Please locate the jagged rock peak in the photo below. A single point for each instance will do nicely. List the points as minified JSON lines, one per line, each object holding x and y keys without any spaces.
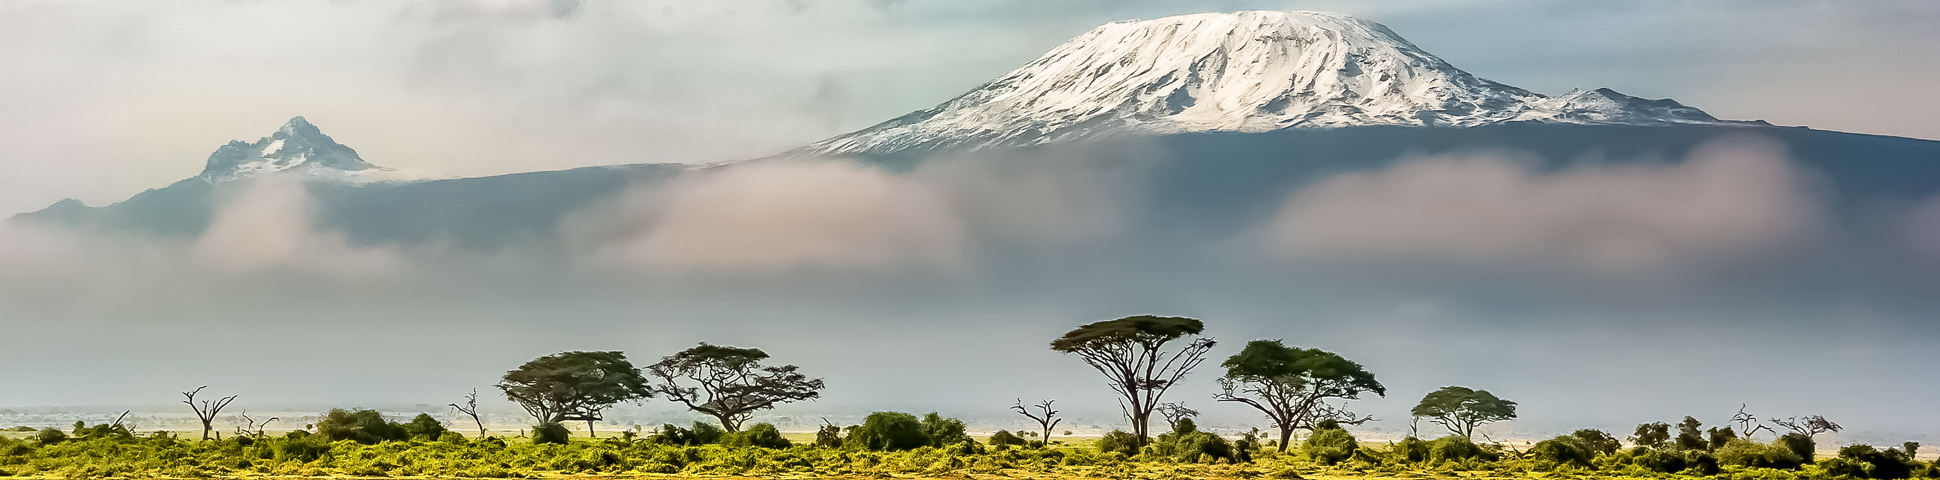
{"x":1246,"y":72}
{"x":296,"y":147}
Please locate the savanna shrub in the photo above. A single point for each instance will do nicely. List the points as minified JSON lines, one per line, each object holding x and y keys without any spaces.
{"x":701,"y":434}
{"x":829,"y":436}
{"x":1119,"y":441}
{"x":1456,"y":448}
{"x":1799,"y":444}
{"x":300,"y":446}
{"x":1330,"y":446}
{"x":1411,"y":450}
{"x":551,"y":433}
{"x":362,"y":426}
{"x":762,"y":435}
{"x":1004,"y":437}
{"x":1660,"y":459}
{"x":424,"y":427}
{"x":453,"y":437}
{"x":941,"y":431}
{"x":1845,"y":467}
{"x":1560,"y":451}
{"x":1598,"y":441}
{"x":888,"y":431}
{"x":1747,"y":453}
{"x":1886,"y":465}
{"x":1700,"y":463}
{"x":1187,"y":444}
{"x":49,"y":436}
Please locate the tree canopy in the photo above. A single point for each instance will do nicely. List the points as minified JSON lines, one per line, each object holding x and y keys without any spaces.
{"x":1461,"y":409}
{"x":729,"y":383}
{"x":573,"y":385}
{"x":1292,"y":385}
{"x":1131,"y":353}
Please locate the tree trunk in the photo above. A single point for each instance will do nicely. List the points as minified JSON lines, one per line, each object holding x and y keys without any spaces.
{"x":206,"y":427}
{"x":589,"y":429}
{"x":1286,"y":437}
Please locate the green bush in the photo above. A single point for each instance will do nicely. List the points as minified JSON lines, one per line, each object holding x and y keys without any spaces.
{"x":1003,"y":437}
{"x":888,"y":431}
{"x":1746,"y":453}
{"x":1411,"y":450}
{"x":762,"y":435}
{"x":551,"y":433}
{"x":1659,"y":459}
{"x":1700,"y":463}
{"x":1891,"y":464}
{"x":1561,"y":451}
{"x":1187,"y":444}
{"x":362,"y":426}
{"x":829,"y":436}
{"x":300,"y":446}
{"x":1119,"y":441}
{"x":701,"y":434}
{"x":1597,"y":441}
{"x":1330,"y":446}
{"x":939,"y":431}
{"x":1456,"y":448}
{"x":49,"y":436}
{"x":424,"y":427}
{"x":1800,"y":444}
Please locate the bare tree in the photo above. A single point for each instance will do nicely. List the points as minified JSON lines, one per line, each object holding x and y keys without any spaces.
{"x":250,"y":427}
{"x":1748,"y":423}
{"x":1046,"y":417}
{"x":207,"y":410}
{"x":470,"y":408}
{"x":1174,"y":412}
{"x":1809,"y":426}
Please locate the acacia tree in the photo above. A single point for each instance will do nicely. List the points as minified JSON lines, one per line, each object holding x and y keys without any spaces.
{"x":1131,"y":353}
{"x":730,"y":383}
{"x":1461,"y":409}
{"x":1293,"y":385}
{"x":573,"y":386}
{"x":207,"y":410}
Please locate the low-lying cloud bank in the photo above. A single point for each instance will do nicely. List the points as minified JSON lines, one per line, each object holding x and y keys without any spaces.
{"x":1730,"y":199}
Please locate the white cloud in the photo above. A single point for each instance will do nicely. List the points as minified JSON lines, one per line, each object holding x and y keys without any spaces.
{"x":784,"y":215}
{"x":269,"y":226}
{"x":1730,"y":197}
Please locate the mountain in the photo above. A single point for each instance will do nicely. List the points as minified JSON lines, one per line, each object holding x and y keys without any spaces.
{"x":297,"y":147}
{"x":1252,"y":71}
{"x":1230,"y":113}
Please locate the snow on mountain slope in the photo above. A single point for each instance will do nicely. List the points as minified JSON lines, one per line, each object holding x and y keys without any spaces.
{"x":1245,"y":72}
{"x":298,"y":147}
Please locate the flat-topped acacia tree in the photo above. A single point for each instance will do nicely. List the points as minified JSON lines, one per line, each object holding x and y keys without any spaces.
{"x":1293,"y":385}
{"x":1131,"y":353}
{"x":573,"y":386}
{"x":729,"y":383}
{"x":1461,"y":409}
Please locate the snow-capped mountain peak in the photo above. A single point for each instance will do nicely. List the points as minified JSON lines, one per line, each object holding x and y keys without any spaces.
{"x":1246,"y":72}
{"x":297,"y":147}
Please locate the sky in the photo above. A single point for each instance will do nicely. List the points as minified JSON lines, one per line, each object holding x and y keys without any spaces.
{"x":1598,"y":296}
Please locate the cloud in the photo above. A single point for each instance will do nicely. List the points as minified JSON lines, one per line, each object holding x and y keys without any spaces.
{"x":1731,"y":197}
{"x":269,"y":226}
{"x":784,"y":215}
{"x":1070,"y":196}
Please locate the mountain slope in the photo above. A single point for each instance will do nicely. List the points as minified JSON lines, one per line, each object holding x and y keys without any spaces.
{"x":1240,"y":72}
